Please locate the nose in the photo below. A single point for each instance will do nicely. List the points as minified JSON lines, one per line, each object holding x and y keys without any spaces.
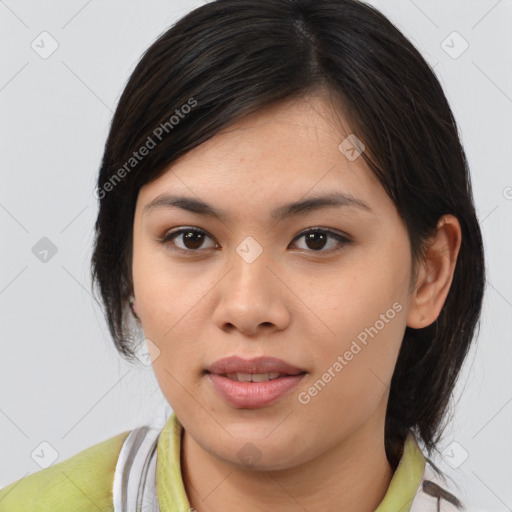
{"x":252,"y":297}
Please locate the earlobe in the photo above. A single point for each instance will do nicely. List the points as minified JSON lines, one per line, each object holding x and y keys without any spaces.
{"x":436,"y":273}
{"x":133,"y":307}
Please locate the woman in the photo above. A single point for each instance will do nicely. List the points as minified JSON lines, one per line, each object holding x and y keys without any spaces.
{"x":286,"y":207}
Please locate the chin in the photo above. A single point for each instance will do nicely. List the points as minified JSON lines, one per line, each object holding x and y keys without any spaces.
{"x":260,"y":454}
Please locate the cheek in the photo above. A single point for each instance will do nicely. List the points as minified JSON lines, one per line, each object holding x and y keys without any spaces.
{"x":354,"y":367}
{"x":365,"y":288}
{"x":364,"y":308}
{"x":163,"y":293}
{"x":169,"y":299}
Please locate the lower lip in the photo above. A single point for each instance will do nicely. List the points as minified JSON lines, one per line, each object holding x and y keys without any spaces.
{"x":252,"y":395}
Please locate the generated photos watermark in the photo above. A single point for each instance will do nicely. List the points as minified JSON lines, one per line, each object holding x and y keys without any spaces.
{"x":341,"y":361}
{"x":152,"y":141}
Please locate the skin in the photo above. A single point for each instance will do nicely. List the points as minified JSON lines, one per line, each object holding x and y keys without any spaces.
{"x":296,"y":301}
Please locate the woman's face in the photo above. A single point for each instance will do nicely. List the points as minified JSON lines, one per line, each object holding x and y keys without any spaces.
{"x":257,"y":284}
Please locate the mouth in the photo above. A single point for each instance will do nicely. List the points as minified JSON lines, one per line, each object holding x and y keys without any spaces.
{"x":256,"y":377}
{"x":254,"y":383}
{"x":256,"y":370}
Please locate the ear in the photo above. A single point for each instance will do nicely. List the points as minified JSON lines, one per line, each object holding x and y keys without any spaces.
{"x":135,"y":306}
{"x":435,"y":274}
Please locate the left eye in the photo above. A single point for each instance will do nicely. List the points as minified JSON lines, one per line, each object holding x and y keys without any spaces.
{"x":315,"y":239}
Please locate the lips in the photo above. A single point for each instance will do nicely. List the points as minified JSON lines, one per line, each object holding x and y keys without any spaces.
{"x":253,"y":383}
{"x":229,"y":366}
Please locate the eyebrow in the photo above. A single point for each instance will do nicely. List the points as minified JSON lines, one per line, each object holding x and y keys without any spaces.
{"x":334,"y":199}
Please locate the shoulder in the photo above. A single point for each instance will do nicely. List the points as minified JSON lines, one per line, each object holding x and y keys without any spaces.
{"x":80,"y":483}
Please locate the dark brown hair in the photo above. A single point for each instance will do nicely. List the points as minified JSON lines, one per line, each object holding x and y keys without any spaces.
{"x":230,"y":58}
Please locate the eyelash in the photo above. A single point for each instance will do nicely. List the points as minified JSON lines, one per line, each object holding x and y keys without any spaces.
{"x":169,"y":237}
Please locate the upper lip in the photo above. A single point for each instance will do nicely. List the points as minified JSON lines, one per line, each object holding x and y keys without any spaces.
{"x":236,"y":364}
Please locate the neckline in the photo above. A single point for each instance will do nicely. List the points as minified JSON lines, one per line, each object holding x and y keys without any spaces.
{"x":173,"y":498}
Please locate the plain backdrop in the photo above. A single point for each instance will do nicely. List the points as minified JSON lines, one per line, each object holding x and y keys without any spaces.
{"x":61,"y":380}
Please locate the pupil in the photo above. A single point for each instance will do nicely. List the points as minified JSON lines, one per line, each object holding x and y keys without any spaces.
{"x":316,"y":239}
{"x":193,"y":240}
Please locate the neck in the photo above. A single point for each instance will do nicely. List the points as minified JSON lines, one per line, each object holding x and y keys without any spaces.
{"x":354,"y":475}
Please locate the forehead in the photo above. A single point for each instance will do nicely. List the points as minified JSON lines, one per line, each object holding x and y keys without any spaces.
{"x":289,"y":151}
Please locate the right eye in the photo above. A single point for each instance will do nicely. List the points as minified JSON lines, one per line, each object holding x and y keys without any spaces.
{"x":191,"y":239}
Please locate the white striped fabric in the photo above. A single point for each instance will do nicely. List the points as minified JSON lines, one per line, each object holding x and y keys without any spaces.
{"x":135,"y":474}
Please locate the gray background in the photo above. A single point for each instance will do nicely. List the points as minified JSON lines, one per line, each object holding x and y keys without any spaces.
{"x":61,"y":381}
